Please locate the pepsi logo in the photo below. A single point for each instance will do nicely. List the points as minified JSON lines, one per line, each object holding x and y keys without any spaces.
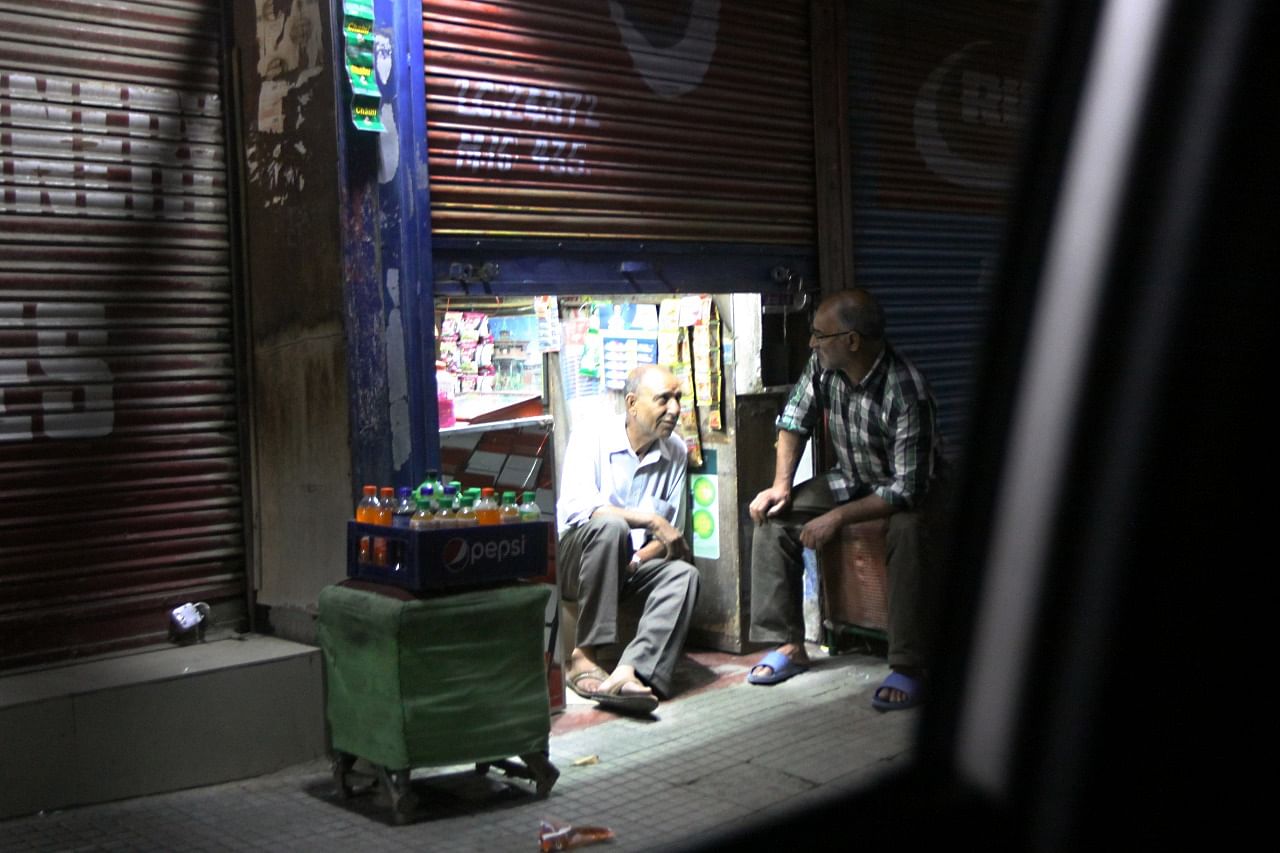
{"x":456,"y":555}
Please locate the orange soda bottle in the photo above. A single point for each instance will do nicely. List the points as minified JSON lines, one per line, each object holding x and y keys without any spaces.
{"x":487,"y":508}
{"x":366,"y":513}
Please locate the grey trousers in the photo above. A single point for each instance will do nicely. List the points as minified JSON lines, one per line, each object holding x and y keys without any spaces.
{"x":591,"y":564}
{"x":777,"y":569}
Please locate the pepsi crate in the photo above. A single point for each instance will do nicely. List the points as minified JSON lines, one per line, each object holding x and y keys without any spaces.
{"x":427,"y":560}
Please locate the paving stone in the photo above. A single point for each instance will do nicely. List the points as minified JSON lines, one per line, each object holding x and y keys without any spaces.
{"x":714,"y":760}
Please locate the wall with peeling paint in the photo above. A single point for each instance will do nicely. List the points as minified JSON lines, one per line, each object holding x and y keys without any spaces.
{"x":294,"y":270}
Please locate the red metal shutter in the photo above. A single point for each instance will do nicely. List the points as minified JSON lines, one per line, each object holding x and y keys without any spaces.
{"x":621,"y":119}
{"x":120,"y":465}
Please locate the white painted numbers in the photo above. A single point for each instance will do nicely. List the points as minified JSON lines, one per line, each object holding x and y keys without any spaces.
{"x":58,"y":394}
{"x":510,"y":102}
{"x":529,"y":106}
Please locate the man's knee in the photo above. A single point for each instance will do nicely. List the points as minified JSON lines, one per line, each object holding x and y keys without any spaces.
{"x":771,"y":550}
{"x":767,"y":535}
{"x":676,"y":580}
{"x":607,"y":525}
{"x":686,"y":574}
{"x":903,"y":526}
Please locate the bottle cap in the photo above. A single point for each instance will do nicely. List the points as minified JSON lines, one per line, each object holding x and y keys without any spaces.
{"x":529,"y":497}
{"x":370,"y":490}
{"x":487,"y":491}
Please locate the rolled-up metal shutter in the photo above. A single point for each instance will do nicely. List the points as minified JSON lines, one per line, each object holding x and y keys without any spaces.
{"x":120,"y":470}
{"x":672,"y":120}
{"x":936,"y":106}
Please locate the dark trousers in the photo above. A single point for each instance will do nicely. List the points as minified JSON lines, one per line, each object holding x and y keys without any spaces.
{"x":777,"y":569}
{"x":591,"y":564}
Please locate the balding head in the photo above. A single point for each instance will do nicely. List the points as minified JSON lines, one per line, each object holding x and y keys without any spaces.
{"x":640,"y":373}
{"x":856,"y":310}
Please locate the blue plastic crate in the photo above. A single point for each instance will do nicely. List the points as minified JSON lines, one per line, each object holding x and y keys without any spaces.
{"x":425,"y":560}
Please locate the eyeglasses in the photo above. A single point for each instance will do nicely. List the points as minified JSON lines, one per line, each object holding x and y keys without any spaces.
{"x":822,"y":336}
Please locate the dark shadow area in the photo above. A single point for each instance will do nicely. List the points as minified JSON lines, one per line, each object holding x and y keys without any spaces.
{"x":1142,"y":254}
{"x":433,"y":796}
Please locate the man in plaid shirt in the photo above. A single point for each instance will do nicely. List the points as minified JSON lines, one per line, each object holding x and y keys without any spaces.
{"x":881,"y":419}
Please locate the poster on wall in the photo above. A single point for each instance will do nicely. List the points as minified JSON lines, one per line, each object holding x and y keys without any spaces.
{"x":290,"y":43}
{"x":366,"y":99}
{"x":629,"y":338}
{"x":704,"y":489}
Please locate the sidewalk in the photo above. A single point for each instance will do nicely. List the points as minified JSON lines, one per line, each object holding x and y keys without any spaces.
{"x":721,"y":753}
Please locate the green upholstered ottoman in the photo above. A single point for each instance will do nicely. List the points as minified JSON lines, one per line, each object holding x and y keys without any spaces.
{"x":416,"y":681}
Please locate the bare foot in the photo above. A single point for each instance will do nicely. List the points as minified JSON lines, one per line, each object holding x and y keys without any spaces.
{"x":583,"y":674}
{"x":623,"y":681}
{"x":795,"y":651}
{"x":893,"y":695}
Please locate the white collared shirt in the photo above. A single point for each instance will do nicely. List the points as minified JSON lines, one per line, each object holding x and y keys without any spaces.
{"x":601,"y":469}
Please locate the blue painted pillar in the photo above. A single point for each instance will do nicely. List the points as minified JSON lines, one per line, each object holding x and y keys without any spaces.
{"x":386,"y":238}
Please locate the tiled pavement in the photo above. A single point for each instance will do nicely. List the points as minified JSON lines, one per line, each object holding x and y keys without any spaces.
{"x":720,"y":754}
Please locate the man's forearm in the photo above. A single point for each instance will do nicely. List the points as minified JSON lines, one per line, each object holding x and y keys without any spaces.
{"x":790,"y":449}
{"x":635,"y":518}
{"x":864,"y":509}
{"x":651,"y":550}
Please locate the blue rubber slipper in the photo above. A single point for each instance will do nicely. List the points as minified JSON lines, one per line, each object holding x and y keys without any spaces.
{"x":913,"y":687}
{"x":783,"y":668}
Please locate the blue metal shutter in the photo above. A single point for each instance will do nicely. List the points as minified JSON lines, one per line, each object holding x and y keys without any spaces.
{"x":936,"y":98}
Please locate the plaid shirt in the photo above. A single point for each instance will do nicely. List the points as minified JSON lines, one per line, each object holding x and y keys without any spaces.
{"x":882,"y":428}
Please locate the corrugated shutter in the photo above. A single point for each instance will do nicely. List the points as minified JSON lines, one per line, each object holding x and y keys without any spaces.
{"x":648,"y":119}
{"x":936,"y":100}
{"x":119,"y":459}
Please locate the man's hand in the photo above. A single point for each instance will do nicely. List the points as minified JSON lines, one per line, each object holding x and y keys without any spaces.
{"x":821,"y":530}
{"x":772,"y":501}
{"x":665,"y":532}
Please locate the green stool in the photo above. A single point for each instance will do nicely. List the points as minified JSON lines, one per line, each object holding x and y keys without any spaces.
{"x":418,"y":681}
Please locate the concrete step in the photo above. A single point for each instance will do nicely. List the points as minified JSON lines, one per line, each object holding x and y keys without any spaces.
{"x":157,"y":720}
